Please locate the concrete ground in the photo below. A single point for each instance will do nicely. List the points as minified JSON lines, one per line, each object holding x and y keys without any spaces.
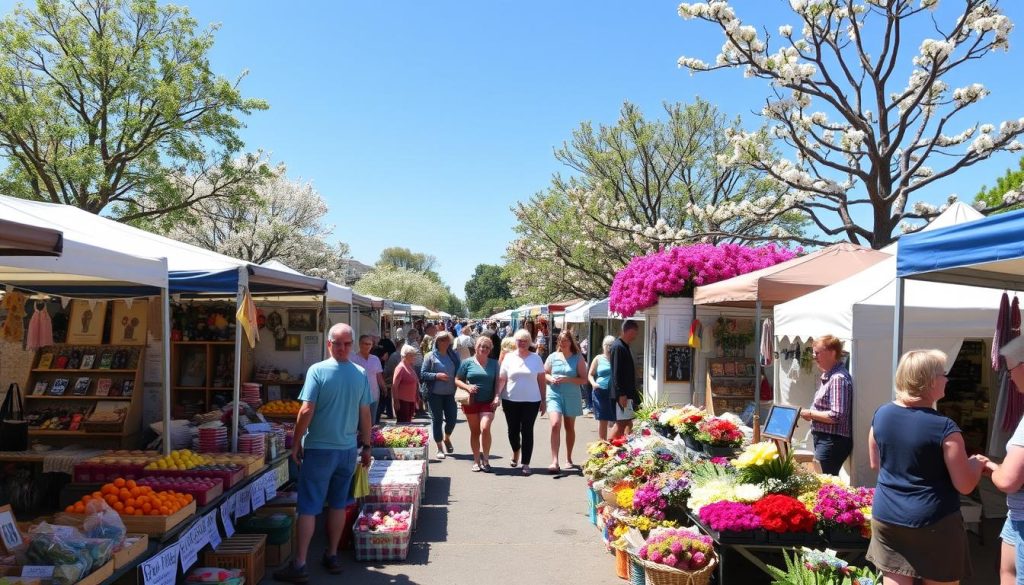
{"x":505,"y":528}
{"x":497,"y":527}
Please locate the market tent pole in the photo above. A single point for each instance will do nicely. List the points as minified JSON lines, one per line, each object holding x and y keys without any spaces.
{"x":757,"y":359}
{"x":243,"y":283}
{"x":165,"y":364}
{"x":325,"y":324}
{"x":897,"y":329}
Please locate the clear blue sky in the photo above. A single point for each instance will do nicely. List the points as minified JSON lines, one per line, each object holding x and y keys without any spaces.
{"x":421,"y":123}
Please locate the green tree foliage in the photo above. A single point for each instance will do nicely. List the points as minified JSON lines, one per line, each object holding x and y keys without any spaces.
{"x":636,"y":186}
{"x":1008,"y":189}
{"x":489,"y":286}
{"x":396,"y":257}
{"x":112,"y":106}
{"x":403,"y":285}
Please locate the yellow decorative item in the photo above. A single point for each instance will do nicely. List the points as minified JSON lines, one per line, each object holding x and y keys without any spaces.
{"x":361,"y":482}
{"x":757,"y":454}
{"x":246,"y":317}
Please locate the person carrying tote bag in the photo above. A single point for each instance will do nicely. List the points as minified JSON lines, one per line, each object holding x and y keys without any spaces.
{"x":13,"y":426}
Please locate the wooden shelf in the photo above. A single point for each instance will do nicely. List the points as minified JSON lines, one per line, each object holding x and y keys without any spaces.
{"x":49,"y":433}
{"x":210,"y":353}
{"x":73,"y":397}
{"x":204,"y":342}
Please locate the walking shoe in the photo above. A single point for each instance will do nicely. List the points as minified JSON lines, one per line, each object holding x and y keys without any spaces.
{"x":448,"y":445}
{"x":331,"y":563}
{"x":292,"y":574}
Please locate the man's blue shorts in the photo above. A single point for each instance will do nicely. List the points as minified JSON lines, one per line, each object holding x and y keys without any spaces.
{"x":325,"y":475}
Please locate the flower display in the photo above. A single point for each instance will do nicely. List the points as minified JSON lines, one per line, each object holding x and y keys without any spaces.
{"x":715,"y":490}
{"x":719,"y":432}
{"x":841,"y":506}
{"x":728,"y":516}
{"x":761,"y":462}
{"x":392,"y":519}
{"x":678,"y":548}
{"x":674,"y":486}
{"x":675,"y":272}
{"x":398,"y":437}
{"x":624,"y":498}
{"x":757,"y":454}
{"x":781,"y":513}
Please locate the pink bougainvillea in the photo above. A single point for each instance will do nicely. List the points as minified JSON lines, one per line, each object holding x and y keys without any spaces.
{"x":676,"y":271}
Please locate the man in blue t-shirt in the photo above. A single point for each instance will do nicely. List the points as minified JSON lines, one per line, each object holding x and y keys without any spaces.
{"x":335,"y":406}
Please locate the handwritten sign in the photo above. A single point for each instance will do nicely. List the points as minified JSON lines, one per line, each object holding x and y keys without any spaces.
{"x":194,"y":539}
{"x":212,"y":532}
{"x":263,"y":427}
{"x":242,"y":503}
{"x":10,"y":536}
{"x":258,"y":495}
{"x":226,"y":510}
{"x":270,"y":486}
{"x":162,"y":568}
{"x":37,"y":571}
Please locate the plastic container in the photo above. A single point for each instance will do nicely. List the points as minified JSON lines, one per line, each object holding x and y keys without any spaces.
{"x":277,"y":526}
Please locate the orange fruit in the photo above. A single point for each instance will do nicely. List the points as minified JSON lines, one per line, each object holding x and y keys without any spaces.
{"x":118,"y":506}
{"x":119,"y":482}
{"x":138,"y":513}
{"x":165,"y":511}
{"x":86,"y":498}
{"x":129,"y":510}
{"x":124,"y":494}
{"x":79,"y":508}
{"x":153,"y":512}
{"x":70,"y":509}
{"x":130,"y":484}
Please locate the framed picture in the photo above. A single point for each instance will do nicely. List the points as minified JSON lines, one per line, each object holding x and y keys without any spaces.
{"x":129,"y":324}
{"x":302,"y":319}
{"x":730,"y":368}
{"x":677,"y":363}
{"x":290,"y":342}
{"x":717,"y":369}
{"x":86,"y":324}
{"x":781,"y":422}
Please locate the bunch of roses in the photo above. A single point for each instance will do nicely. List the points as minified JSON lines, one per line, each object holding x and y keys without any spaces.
{"x":678,"y":548}
{"x":649,"y":501}
{"x":780,"y":513}
{"x":719,"y":432}
{"x":840,"y":506}
{"x":677,"y":271}
{"x":730,"y":517}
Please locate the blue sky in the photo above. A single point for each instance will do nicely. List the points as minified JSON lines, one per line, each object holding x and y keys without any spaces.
{"x":421,"y":123}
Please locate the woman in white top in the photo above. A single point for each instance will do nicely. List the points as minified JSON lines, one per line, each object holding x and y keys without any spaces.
{"x":522,"y":385}
{"x":464,"y":343}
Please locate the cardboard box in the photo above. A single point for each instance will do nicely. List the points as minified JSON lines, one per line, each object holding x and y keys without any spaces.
{"x":131,"y":551}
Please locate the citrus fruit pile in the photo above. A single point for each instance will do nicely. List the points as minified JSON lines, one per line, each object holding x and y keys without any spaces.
{"x":281,"y":407}
{"x":130,"y":499}
{"x":180,"y":459}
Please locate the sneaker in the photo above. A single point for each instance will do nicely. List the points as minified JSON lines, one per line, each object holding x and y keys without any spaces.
{"x":331,"y":563}
{"x":292,"y":574}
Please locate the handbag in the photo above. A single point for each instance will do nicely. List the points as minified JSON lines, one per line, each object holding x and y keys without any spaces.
{"x":462,"y":396}
{"x":13,"y":426}
{"x":424,"y":385}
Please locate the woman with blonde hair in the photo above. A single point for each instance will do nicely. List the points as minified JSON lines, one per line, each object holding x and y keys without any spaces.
{"x":917,"y":532}
{"x":478,"y":375}
{"x":566,"y":370}
{"x":522,"y":387}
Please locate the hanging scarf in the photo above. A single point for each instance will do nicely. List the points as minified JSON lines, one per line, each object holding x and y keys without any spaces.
{"x":1014,"y":400}
{"x":1002,"y":328}
{"x":13,"y":328}
{"x":40,"y":328}
{"x":767,"y":335}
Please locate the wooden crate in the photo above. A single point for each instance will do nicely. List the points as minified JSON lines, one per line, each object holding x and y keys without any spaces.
{"x":242,"y":551}
{"x":151,"y":525}
{"x":99,"y":575}
{"x":131,"y":552}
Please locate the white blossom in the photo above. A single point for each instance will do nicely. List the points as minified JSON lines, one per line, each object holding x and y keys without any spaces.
{"x":786,"y":30}
{"x":982,"y":144}
{"x":968,"y":95}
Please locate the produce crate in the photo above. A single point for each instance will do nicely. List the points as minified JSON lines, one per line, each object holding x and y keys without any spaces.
{"x":93,"y":472}
{"x":252,"y":463}
{"x":396,"y":493}
{"x":277,"y":526}
{"x":242,"y":551}
{"x":381,"y":546}
{"x":134,"y":546}
{"x":230,"y":477}
{"x":202,"y":496}
{"x":99,"y":575}
{"x":151,"y":525}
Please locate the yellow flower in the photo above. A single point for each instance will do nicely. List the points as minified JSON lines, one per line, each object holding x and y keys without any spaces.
{"x":757,"y":454}
{"x":624,"y":498}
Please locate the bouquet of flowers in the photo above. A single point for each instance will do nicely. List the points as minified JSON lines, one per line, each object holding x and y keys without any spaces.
{"x":761,"y":461}
{"x":728,"y":516}
{"x":719,"y":432}
{"x":839,"y":506}
{"x":604,"y":457}
{"x":397,"y":437}
{"x":781,"y":514}
{"x":678,"y":548}
{"x":624,"y":497}
{"x":688,"y":420}
{"x":674,"y":486}
{"x":649,"y":501}
{"x":392,"y":519}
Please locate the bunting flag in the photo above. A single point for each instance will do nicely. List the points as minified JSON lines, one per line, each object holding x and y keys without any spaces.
{"x":696,"y":331}
{"x":246,"y":317}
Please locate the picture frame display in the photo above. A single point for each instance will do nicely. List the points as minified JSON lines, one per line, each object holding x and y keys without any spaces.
{"x":129,"y":325}
{"x":301,"y":319}
{"x":678,"y":363}
{"x":781,"y":422}
{"x":86,"y":323}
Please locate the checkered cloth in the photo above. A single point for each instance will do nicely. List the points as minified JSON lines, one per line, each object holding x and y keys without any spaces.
{"x":381,"y":546}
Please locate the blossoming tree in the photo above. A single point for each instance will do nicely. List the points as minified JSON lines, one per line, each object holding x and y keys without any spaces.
{"x":862,"y":147}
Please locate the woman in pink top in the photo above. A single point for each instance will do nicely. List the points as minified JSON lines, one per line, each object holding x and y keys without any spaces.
{"x":405,"y":385}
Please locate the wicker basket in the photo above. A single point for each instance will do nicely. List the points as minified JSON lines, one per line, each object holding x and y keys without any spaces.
{"x":608,"y":495}
{"x":658,"y":574}
{"x":637,"y":575}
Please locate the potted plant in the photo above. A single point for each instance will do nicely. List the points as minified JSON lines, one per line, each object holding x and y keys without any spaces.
{"x":786,"y":519}
{"x":844,"y":512}
{"x":817,"y":567}
{"x":720,"y":437}
{"x":677,"y":555}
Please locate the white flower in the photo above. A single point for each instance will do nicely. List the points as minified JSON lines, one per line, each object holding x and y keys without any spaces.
{"x":970,"y":94}
{"x":982,"y":144}
{"x":748,"y":492}
{"x":786,"y":30}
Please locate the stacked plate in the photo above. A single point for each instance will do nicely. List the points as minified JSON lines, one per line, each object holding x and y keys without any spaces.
{"x":254,"y":443}
{"x":213,"y":438}
{"x":251,"y":394}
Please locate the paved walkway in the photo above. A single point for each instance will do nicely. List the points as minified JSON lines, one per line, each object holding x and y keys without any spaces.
{"x":495,"y":528}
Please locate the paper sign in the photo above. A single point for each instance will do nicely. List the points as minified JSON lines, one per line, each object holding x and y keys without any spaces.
{"x":192,"y":542}
{"x":242,"y":502}
{"x":270,"y":486}
{"x":9,"y":533}
{"x":37,"y":571}
{"x":162,"y":568}
{"x":252,"y":428}
{"x":258,"y":495}
{"x":282,"y":473}
{"x":225,"y":517}
{"x":212,"y":532}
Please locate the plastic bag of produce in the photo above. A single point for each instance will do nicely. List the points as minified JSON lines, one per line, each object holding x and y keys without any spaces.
{"x":101,"y":521}
{"x":64,"y":548}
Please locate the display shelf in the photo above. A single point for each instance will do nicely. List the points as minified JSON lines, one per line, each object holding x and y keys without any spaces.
{"x":82,"y":371}
{"x":72,"y":397}
{"x":730,"y":384}
{"x":197,"y":365}
{"x":49,"y":433}
{"x":204,"y":342}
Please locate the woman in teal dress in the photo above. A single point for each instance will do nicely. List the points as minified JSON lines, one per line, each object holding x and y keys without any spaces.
{"x":478,"y":375}
{"x":566,"y":371}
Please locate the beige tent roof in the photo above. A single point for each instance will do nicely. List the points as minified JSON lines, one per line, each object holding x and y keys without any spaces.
{"x":791,"y":279}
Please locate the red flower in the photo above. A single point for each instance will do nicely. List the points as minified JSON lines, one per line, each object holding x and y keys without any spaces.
{"x":781,"y":513}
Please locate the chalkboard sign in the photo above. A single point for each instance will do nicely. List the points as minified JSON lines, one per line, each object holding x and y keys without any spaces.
{"x":677,"y":363}
{"x":781,"y":422}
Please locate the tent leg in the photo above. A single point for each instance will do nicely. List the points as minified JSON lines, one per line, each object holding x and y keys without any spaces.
{"x":243,"y":283}
{"x":897,"y":328}
{"x":324,"y":324}
{"x":165,"y":365}
{"x":757,"y":359}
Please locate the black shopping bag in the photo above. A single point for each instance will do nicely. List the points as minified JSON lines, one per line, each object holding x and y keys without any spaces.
{"x":13,"y":426}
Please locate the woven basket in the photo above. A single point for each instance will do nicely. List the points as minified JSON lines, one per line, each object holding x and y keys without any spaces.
{"x":637,"y":575}
{"x":658,"y":574}
{"x":608,"y":494}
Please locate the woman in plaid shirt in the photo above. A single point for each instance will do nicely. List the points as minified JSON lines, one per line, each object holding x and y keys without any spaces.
{"x":830,"y":415}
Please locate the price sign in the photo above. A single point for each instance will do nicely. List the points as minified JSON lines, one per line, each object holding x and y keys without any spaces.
{"x":258,"y":495}
{"x":194,"y":539}
{"x":10,"y":536}
{"x":242,"y":503}
{"x":226,"y":510}
{"x":162,"y":568}
{"x":270,"y":485}
{"x":37,"y":571}
{"x":212,"y":532}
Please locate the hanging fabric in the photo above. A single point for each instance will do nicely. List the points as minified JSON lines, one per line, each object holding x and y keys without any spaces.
{"x":767,"y":340}
{"x":40,"y":328}
{"x":13,"y":328}
{"x":247,"y":318}
{"x":1014,"y":400}
{"x":1002,"y":328}
{"x":696,"y":330}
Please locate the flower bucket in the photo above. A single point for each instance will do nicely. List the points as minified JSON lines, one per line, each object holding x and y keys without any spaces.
{"x":846,"y":536}
{"x":658,"y":574}
{"x":691,"y":442}
{"x":621,"y":564}
{"x":593,"y":498}
{"x":637,"y":575}
{"x":728,"y":452}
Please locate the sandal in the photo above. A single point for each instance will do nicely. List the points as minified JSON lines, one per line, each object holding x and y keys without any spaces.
{"x":476,"y":468}
{"x":526,"y":470}
{"x":448,"y":445}
{"x":514,"y":462}
{"x":554,"y":469}
{"x":486,"y":467}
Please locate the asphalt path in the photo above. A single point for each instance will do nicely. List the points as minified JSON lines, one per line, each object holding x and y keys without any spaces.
{"x":498,"y":527}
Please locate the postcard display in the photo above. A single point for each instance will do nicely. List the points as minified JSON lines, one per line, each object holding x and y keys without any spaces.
{"x":85,"y":390}
{"x":730,"y":383}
